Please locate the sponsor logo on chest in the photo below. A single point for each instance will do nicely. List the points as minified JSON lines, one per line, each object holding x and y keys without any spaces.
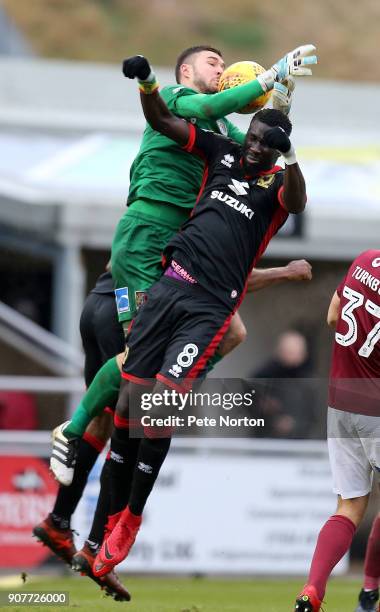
{"x":239,"y":187}
{"x":232,"y":202}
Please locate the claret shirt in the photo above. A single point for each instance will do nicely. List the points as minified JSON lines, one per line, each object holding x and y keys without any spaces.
{"x":233,"y":220}
{"x":355,"y":366}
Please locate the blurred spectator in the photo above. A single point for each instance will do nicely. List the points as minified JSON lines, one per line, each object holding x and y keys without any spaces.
{"x":17,"y":410}
{"x":290,"y":359}
{"x":287,"y":406}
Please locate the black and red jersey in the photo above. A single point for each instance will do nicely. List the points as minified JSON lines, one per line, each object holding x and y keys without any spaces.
{"x":233,"y":220}
{"x":355,"y":366}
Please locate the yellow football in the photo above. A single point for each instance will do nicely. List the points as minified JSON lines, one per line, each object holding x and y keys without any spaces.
{"x":240,"y":73}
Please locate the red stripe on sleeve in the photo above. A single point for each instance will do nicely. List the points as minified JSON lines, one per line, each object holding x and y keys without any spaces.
{"x":190,"y":143}
{"x":280,"y":196}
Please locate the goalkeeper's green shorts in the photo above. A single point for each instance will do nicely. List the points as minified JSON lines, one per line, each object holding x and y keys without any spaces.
{"x":136,"y":258}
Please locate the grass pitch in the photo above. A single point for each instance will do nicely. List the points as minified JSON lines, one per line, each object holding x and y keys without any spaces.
{"x":188,"y":594}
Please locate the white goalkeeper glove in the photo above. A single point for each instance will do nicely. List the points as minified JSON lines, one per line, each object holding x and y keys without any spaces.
{"x":294,"y":64}
{"x":283,"y":94}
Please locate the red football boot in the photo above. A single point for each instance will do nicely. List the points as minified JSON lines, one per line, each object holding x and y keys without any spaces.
{"x":113,"y":519}
{"x":83,"y":562}
{"x":308,"y":600}
{"x":60,"y":541}
{"x":117,"y":546}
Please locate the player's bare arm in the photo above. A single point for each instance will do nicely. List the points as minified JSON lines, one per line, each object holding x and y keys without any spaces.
{"x":333,"y":311}
{"x":297,"y":270}
{"x":155,"y":110}
{"x":294,"y":194}
{"x":162,"y":120}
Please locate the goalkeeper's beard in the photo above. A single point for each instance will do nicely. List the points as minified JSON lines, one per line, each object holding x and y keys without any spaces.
{"x":203,"y":87}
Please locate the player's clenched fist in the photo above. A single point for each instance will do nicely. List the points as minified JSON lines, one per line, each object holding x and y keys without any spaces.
{"x":299,"y":270}
{"x":276,"y":138}
{"x":136,"y":66}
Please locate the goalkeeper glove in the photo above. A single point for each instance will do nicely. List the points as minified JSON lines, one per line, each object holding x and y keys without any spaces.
{"x":293,"y":63}
{"x":283,"y":94}
{"x":138,"y":66}
{"x":277,"y":138}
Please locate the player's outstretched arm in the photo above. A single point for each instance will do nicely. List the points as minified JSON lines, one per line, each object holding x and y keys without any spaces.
{"x":215,"y":106}
{"x":155,"y":110}
{"x":297,"y":270}
{"x":294,"y":194}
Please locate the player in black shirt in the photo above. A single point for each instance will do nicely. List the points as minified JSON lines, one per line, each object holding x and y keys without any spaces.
{"x":245,"y":198}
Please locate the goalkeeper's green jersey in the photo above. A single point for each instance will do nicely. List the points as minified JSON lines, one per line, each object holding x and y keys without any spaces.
{"x":162,"y":171}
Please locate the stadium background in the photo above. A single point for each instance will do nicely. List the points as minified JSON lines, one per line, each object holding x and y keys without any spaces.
{"x":70,"y":126}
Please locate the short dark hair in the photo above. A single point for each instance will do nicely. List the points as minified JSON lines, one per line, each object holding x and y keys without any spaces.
{"x":274,"y":118}
{"x":187,"y":53}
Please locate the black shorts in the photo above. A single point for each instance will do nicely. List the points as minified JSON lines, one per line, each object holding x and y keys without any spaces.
{"x":174,"y":334}
{"x":102,"y":334}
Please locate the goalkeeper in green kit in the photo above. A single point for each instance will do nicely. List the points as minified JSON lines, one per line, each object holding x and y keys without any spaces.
{"x":165,"y":182}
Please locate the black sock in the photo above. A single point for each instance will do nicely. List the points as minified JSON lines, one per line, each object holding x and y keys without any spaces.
{"x":103,"y":507}
{"x":95,"y":537}
{"x":124,"y":451}
{"x":152,"y":453}
{"x":68,"y":497}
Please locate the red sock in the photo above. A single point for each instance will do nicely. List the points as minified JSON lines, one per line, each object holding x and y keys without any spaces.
{"x":372,"y":558}
{"x":93,"y":441}
{"x":333,"y":542}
